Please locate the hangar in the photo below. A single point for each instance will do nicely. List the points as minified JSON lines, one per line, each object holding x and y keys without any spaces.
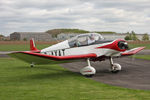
{"x":38,"y":36}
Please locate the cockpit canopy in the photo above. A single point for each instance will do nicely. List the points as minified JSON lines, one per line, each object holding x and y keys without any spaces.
{"x":84,"y":39}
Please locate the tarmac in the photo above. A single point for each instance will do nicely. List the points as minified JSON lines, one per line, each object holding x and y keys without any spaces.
{"x":135,"y":73}
{"x":3,"y":54}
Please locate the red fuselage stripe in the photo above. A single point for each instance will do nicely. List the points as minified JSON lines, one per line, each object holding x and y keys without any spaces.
{"x":113,"y":46}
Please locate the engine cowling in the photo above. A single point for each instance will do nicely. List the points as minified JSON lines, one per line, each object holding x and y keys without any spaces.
{"x":123,"y":45}
{"x":118,"y":45}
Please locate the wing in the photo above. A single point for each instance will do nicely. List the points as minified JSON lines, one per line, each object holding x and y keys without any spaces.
{"x":132,"y":51}
{"x":38,"y":58}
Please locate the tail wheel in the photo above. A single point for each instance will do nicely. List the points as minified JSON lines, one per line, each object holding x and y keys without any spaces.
{"x":32,"y":64}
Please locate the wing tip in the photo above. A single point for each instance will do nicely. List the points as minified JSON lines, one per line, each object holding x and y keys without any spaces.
{"x":132,"y":51}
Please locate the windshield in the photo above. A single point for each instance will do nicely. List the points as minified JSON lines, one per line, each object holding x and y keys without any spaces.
{"x":84,"y":39}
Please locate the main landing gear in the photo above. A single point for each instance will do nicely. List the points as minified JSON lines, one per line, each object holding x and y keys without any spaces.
{"x":115,"y":67}
{"x":88,"y":71}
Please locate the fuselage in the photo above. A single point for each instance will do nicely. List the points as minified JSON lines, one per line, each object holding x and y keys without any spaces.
{"x":100,"y":47}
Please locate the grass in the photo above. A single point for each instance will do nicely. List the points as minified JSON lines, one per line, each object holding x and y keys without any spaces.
{"x":20,"y":47}
{"x":145,"y":57}
{"x":50,"y":82}
{"x":139,"y":45}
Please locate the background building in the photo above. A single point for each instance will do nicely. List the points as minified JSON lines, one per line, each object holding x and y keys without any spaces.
{"x":64,"y":36}
{"x":120,"y":36}
{"x":25,"y":36}
{"x":43,"y":36}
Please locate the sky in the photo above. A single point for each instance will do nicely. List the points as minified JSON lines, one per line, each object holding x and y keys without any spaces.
{"x":92,"y":15}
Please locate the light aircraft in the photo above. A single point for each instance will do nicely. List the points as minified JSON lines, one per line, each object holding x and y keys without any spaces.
{"x":84,"y":47}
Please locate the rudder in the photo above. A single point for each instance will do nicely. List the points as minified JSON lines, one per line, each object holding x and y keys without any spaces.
{"x":32,"y":45}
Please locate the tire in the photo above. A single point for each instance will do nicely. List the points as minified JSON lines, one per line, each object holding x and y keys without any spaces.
{"x":31,"y":65}
{"x":89,"y":76}
{"x":115,"y":71}
{"x":116,"y":68}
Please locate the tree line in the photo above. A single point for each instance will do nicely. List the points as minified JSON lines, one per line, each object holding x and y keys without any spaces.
{"x":132,"y":36}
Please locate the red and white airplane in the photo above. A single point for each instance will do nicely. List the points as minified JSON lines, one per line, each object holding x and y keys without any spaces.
{"x":84,"y":47}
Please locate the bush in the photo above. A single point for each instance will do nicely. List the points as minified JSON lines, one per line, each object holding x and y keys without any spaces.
{"x":145,"y":37}
{"x":131,"y":36}
{"x":25,"y":39}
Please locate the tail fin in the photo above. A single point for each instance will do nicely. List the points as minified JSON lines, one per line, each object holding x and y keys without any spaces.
{"x":32,"y":45}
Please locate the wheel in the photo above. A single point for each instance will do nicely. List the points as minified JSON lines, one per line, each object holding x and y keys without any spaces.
{"x":114,"y":71}
{"x":115,"y":68}
{"x":88,"y":71}
{"x":31,"y":65}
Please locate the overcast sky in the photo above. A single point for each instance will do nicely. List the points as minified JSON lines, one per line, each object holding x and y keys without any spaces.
{"x":92,"y":15}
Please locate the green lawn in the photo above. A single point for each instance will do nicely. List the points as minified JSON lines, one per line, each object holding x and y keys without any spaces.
{"x":139,"y":45}
{"x":51,"y":82}
{"x":145,"y":57}
{"x":20,"y":47}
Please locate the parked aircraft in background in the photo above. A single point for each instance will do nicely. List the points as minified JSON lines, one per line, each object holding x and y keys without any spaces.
{"x":84,"y":47}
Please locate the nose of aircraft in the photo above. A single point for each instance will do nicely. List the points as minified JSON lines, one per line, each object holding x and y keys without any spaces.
{"x":118,"y":45}
{"x":123,"y":45}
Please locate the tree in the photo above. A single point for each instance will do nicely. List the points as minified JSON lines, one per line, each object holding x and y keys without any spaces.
{"x":128,"y":36}
{"x":1,"y":35}
{"x":145,"y":37}
{"x":131,"y":36}
{"x":25,"y":39}
{"x":134,"y":36}
{"x":54,"y":35}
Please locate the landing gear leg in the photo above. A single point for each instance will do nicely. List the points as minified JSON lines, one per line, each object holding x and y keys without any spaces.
{"x":115,"y":67}
{"x":88,"y":71}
